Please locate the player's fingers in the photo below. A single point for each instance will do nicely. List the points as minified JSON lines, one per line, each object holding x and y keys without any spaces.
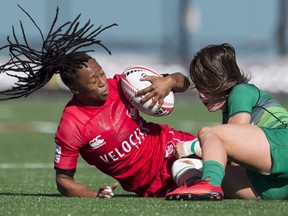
{"x":160,"y":102}
{"x":153,"y":102}
{"x":105,"y":192}
{"x":147,"y":78}
{"x":113,"y":186}
{"x":144,"y":91}
{"x":101,"y":196}
{"x":109,"y":191}
{"x":147,"y":97}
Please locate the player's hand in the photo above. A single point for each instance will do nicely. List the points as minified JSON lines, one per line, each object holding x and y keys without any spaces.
{"x":158,"y":90}
{"x":106,"y":191}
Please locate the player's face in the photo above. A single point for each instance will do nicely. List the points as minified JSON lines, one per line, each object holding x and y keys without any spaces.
{"x":91,"y":86}
{"x":213,"y":103}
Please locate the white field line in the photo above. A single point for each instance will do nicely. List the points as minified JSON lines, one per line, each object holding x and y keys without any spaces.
{"x":26,"y":166}
{"x":31,"y":166}
{"x":41,"y":127}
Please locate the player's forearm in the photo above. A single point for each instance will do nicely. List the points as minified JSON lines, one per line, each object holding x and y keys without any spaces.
{"x":68,"y":187}
{"x":78,"y":190}
{"x":181,"y":82}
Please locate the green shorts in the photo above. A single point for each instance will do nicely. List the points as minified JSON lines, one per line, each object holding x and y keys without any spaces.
{"x":275,"y":185}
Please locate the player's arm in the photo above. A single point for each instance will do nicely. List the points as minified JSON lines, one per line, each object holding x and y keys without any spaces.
{"x":180,"y":82}
{"x":161,"y":86}
{"x":65,"y":163}
{"x":240,"y":118}
{"x":67,"y":186}
{"x":240,"y":102}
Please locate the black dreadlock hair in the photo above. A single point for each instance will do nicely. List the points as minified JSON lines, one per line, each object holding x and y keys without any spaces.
{"x":61,"y":53}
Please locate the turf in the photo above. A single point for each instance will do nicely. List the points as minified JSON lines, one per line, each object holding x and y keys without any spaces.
{"x":27,"y":184}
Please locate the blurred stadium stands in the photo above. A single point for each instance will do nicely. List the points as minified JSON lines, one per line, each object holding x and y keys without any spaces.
{"x":165,"y":34}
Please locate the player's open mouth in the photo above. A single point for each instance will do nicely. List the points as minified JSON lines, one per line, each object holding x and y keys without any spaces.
{"x":105,"y":92}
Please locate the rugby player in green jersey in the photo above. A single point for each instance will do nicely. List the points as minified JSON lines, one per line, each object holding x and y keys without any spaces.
{"x":247,"y":156}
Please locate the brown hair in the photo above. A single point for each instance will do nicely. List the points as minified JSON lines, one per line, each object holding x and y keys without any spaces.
{"x":214,"y":69}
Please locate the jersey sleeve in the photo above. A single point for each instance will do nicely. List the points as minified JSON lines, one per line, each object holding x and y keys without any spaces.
{"x":242,"y":98}
{"x":68,"y":142}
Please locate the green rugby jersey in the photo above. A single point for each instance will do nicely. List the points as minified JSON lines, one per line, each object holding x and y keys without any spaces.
{"x":265,"y":110}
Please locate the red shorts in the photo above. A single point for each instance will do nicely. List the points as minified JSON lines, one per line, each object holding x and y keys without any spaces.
{"x":163,"y":182}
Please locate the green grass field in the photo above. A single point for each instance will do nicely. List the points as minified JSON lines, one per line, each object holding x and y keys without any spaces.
{"x":27,"y":185}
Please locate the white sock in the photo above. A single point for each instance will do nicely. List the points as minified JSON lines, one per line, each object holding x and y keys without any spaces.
{"x":186,"y":170}
{"x":192,"y":147}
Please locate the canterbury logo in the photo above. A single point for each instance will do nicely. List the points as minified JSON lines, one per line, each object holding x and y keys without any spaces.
{"x":97,"y":142}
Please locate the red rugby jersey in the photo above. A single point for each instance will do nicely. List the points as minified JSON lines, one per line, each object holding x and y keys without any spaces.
{"x":115,"y":139}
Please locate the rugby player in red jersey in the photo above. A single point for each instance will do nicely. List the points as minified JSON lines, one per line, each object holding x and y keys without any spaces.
{"x":107,"y":131}
{"x":98,"y":123}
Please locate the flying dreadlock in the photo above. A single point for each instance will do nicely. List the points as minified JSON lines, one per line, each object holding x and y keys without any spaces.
{"x":61,"y":53}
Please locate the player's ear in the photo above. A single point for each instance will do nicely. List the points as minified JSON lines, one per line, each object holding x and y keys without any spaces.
{"x":73,"y":90}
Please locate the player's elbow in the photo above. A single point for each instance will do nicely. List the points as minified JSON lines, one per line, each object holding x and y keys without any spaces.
{"x":61,"y":190}
{"x":61,"y":183}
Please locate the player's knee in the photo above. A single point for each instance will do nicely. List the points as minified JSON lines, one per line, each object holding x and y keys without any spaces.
{"x":208,"y":135}
{"x":204,"y":132}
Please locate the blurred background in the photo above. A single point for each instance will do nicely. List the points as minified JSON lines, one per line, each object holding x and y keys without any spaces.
{"x":165,"y":34}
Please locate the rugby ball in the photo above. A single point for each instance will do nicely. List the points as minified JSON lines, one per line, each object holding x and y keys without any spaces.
{"x":131,"y":84}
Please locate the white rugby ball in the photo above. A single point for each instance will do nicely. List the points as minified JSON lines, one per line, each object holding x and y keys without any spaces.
{"x":131,"y":84}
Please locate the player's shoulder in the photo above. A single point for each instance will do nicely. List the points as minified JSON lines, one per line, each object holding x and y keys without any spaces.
{"x":115,"y":80}
{"x":244,"y":92}
{"x":73,"y":113}
{"x":244,"y":88}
